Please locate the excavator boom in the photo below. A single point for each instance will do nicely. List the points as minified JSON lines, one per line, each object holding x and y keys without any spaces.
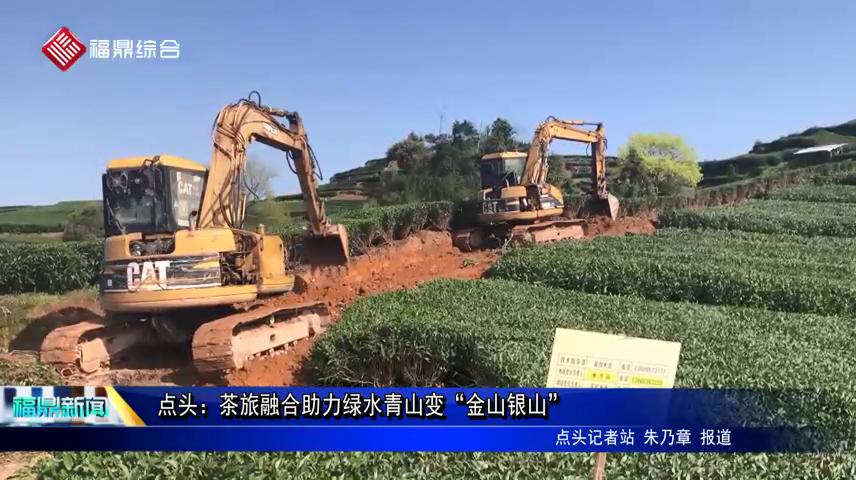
{"x":600,"y":202}
{"x":224,"y":205}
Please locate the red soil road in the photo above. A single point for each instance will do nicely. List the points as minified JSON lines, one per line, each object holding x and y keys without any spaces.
{"x":405,"y":264}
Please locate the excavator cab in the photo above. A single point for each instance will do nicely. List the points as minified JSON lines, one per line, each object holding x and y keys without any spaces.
{"x":501,"y":169}
{"x":151,"y":195}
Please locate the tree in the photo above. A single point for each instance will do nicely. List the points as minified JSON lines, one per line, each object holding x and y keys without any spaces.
{"x":444,"y":166}
{"x":85,"y":224}
{"x":268,"y":212}
{"x":465,"y":136}
{"x":408,"y":153}
{"x":666,"y":159}
{"x":500,"y":137}
{"x":633,"y":178}
{"x":257,"y":178}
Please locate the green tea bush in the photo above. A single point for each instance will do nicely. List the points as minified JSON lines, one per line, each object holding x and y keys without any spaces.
{"x":49,"y":268}
{"x":499,"y":333}
{"x":772,"y":217}
{"x":372,"y":226}
{"x":812,"y":193}
{"x":785,"y":273}
{"x":31,"y":227}
{"x":507,"y":328}
{"x":440,"y":466}
{"x":57,"y":268}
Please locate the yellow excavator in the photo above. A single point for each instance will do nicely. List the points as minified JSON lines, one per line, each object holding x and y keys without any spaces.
{"x":177,"y":259}
{"x":516,"y":204}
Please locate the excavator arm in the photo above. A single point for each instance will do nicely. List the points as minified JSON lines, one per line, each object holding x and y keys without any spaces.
{"x":224,"y":199}
{"x":535,"y":169}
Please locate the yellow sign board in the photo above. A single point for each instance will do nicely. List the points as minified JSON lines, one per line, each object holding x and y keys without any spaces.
{"x":598,"y":360}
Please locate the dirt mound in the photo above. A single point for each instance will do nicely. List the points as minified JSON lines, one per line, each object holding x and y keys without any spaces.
{"x":74,"y":308}
{"x":405,"y":264}
{"x":626,"y":225}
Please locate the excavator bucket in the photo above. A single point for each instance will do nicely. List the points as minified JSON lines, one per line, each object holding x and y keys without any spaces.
{"x":600,"y":207}
{"x":329,"y":248}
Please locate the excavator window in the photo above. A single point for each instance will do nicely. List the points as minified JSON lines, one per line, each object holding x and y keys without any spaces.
{"x":150,"y":200}
{"x":501,"y":171}
{"x":186,"y":188}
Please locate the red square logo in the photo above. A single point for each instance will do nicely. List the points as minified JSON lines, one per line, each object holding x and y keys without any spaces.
{"x":63,"y":49}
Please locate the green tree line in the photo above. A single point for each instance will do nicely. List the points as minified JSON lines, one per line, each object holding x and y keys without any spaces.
{"x":445,"y":166}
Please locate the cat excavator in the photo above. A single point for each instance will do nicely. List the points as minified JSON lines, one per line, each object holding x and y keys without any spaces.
{"x":516,"y":204}
{"x":178,"y":264}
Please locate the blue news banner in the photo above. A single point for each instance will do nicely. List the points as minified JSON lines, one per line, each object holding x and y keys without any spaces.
{"x":422,"y":419}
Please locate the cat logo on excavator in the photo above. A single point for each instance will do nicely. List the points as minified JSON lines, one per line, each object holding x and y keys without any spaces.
{"x":148,"y":276}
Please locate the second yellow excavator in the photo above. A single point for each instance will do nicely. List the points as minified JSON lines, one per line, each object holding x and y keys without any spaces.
{"x":177,"y":259}
{"x":517,"y":204}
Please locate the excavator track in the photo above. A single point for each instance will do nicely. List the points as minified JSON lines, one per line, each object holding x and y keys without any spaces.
{"x":468,"y":240}
{"x":547,"y":232}
{"x":226,"y":343}
{"x":89,"y":346}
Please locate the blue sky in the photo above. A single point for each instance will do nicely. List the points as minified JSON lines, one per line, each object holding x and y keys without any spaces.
{"x":363,"y":74}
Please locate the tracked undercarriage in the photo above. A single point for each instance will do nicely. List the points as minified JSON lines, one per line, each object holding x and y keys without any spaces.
{"x":219,"y":344}
{"x":497,"y":236}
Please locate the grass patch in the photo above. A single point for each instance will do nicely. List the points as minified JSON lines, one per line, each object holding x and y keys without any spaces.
{"x":16,"y":312}
{"x":19,"y":370}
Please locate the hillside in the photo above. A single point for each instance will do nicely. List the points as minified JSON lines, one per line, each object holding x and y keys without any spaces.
{"x":359,"y":180}
{"x":778,"y":154}
{"x":348,"y":190}
{"x":762,"y":157}
{"x":38,"y":219}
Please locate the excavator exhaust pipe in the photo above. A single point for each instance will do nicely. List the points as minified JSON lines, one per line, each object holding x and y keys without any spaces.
{"x":329,"y":248}
{"x":600,"y":207}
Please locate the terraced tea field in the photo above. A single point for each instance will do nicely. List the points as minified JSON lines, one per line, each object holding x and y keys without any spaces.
{"x":806,"y":218}
{"x":777,"y":272}
{"x":761,"y":295}
{"x":811,"y":193}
